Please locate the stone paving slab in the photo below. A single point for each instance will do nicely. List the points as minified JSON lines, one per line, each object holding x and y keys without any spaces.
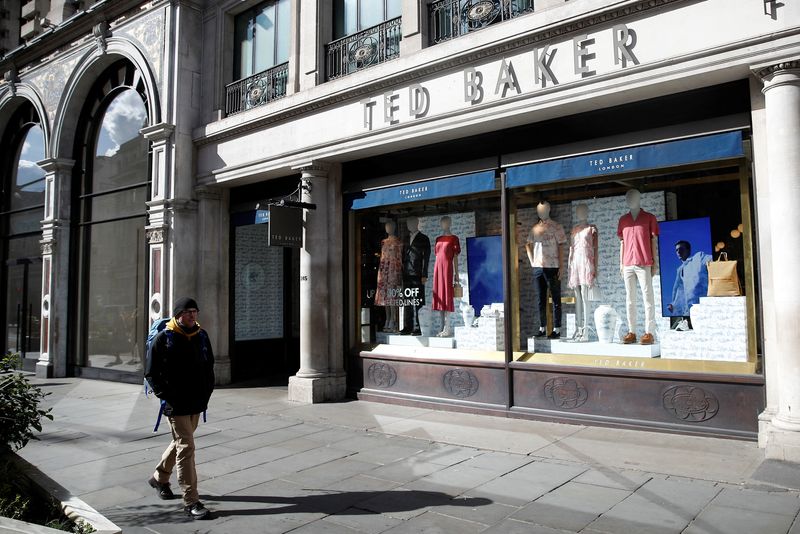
{"x":269,"y":466}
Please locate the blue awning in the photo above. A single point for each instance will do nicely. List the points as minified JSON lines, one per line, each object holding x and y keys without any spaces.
{"x":669,"y":154}
{"x":430,"y":189}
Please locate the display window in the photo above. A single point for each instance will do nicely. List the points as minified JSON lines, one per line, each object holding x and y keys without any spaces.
{"x":649,"y":269}
{"x":430,"y":274}
{"x":637,"y":258}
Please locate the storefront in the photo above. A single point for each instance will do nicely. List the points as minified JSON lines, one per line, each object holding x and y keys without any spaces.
{"x":502,"y":291}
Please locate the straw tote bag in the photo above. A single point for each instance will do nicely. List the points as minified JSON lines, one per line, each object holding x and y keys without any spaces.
{"x":723,"y":280}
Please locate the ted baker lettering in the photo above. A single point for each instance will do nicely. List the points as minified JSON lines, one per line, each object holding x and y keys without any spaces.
{"x":505,"y":82}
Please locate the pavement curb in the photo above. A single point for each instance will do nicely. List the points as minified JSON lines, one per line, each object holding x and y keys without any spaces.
{"x":73,"y":507}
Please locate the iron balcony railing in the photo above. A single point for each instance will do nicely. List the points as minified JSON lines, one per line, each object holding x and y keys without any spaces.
{"x":453,"y":18}
{"x":256,"y":90}
{"x":363,"y":49}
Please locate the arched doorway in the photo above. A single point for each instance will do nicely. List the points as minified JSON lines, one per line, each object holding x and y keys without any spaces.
{"x":22,"y":211}
{"x":111,"y":185}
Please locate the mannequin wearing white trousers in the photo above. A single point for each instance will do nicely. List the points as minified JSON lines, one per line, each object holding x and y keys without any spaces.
{"x":582,"y":269}
{"x":638,"y":270}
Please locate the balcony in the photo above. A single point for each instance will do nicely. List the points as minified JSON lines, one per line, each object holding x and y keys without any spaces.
{"x":363,"y":49}
{"x":449,"y":19}
{"x":256,"y":90}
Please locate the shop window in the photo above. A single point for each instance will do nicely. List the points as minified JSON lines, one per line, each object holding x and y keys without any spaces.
{"x":429,"y":270}
{"x":620,"y":269}
{"x":366,"y":32}
{"x":22,"y":212}
{"x":113,"y":191}
{"x":261,"y":55}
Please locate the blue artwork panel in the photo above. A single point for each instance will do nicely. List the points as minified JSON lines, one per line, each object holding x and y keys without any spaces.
{"x":485,"y":270}
{"x":684,"y":248}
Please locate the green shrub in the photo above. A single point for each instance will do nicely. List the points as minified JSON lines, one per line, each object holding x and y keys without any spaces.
{"x":20,"y":413}
{"x":9,"y":362}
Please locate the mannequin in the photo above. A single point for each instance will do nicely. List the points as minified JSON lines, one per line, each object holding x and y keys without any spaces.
{"x":390,"y":277}
{"x":545,"y":253}
{"x":416,"y":255}
{"x":445,"y":274}
{"x":638,"y":234}
{"x":582,"y":268}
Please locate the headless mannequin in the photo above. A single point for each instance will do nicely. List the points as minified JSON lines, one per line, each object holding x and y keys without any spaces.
{"x":415,"y":274}
{"x":392,"y":312}
{"x":633,"y":200}
{"x":445,"y":315}
{"x":582,"y":290}
{"x":543,"y":211}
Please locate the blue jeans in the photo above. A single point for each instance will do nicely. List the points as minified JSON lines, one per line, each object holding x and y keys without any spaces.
{"x":545,"y":278}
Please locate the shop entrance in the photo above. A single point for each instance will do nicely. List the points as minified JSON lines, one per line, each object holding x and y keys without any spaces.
{"x":265,"y":292}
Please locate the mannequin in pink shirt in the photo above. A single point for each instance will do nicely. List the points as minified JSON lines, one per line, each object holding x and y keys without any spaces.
{"x":638,"y":261}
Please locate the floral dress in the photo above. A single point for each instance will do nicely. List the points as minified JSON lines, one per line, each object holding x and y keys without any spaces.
{"x":390,"y":272}
{"x":582,"y":245}
{"x":446,"y":248}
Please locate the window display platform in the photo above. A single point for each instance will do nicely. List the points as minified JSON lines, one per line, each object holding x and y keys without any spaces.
{"x":399,"y":340}
{"x":593,"y":348}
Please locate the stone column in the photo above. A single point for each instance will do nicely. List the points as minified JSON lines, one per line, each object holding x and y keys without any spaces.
{"x":55,"y":267}
{"x":314,"y":381}
{"x":782,"y":103}
{"x":414,"y":26}
{"x":212,"y":277}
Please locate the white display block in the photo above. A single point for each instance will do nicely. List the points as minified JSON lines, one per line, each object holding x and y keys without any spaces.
{"x":719,"y":332}
{"x":442,"y":342}
{"x":407,"y":341}
{"x":488,"y":335}
{"x":593,"y":348}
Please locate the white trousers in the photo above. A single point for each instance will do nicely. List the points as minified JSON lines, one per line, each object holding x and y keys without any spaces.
{"x":632,"y":273}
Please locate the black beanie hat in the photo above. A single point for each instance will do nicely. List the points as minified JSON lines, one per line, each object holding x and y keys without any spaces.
{"x":183,"y":303}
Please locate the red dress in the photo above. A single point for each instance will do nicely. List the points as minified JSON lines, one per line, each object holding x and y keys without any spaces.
{"x":446,"y":248}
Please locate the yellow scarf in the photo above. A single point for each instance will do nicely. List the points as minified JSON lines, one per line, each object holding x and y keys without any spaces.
{"x":175,"y":327}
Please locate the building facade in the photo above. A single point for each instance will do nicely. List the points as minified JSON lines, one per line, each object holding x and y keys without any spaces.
{"x":284,"y":161}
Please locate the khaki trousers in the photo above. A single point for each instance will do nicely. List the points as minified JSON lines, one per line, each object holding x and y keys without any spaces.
{"x":643,"y":274}
{"x":181,"y":452}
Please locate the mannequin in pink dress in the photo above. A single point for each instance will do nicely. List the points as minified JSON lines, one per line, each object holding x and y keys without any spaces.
{"x":390,"y":277}
{"x":445,"y":274}
{"x":582,"y":268}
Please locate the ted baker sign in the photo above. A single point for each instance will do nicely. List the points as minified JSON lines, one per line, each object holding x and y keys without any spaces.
{"x":577,"y":57}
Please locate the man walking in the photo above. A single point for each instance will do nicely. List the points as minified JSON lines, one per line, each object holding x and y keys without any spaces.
{"x":180,"y":370}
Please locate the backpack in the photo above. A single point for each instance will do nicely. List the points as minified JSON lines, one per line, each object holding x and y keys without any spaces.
{"x":155,"y":329}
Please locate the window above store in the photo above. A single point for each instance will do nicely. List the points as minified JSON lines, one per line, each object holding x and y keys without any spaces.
{"x":367,"y":32}
{"x":448,"y":19}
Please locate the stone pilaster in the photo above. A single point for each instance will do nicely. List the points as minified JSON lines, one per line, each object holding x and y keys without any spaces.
{"x":55,"y":268}
{"x":318,"y":380}
{"x":781,"y":436}
{"x":414,"y":26}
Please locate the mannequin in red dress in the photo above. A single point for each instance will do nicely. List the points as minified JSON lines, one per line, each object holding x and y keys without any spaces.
{"x":445,"y":274}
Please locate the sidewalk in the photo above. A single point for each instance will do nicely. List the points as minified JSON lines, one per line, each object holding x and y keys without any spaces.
{"x":270,"y":466}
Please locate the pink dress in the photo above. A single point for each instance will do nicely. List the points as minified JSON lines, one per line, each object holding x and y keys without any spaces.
{"x":446,"y":248}
{"x":390,"y":272}
{"x":583,"y":241}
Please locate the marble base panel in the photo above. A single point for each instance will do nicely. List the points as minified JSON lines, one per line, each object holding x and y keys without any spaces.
{"x":594,"y":348}
{"x":488,"y":335}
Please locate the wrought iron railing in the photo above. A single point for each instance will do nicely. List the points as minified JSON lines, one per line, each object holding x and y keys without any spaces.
{"x":256,"y":90}
{"x":452,"y":18}
{"x":363,"y":49}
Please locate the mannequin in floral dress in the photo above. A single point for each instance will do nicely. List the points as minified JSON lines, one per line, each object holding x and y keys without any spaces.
{"x":390,"y":277}
{"x":445,"y":274}
{"x":582,"y":268}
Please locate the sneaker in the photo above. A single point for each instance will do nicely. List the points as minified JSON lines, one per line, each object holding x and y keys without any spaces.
{"x":554,"y":335}
{"x":647,"y":339}
{"x":682,"y":326}
{"x":164,"y":491}
{"x":629,"y":338}
{"x":541,"y":333}
{"x":196,"y":510}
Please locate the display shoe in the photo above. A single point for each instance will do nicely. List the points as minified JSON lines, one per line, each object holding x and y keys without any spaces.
{"x":405,"y":332}
{"x":629,"y":338}
{"x":416,"y":332}
{"x":554,"y":335}
{"x":584,"y":337}
{"x":647,"y":339}
{"x":541,"y":333}
{"x":445,"y":332}
{"x":576,"y":336}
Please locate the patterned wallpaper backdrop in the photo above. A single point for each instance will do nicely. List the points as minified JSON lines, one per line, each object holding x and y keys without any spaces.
{"x":258,"y":285}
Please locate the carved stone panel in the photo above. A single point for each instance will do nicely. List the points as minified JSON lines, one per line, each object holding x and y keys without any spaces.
{"x":691,"y":404}
{"x":148,"y":33}
{"x":565,"y":393}
{"x":382,"y":375}
{"x":460,"y":383}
